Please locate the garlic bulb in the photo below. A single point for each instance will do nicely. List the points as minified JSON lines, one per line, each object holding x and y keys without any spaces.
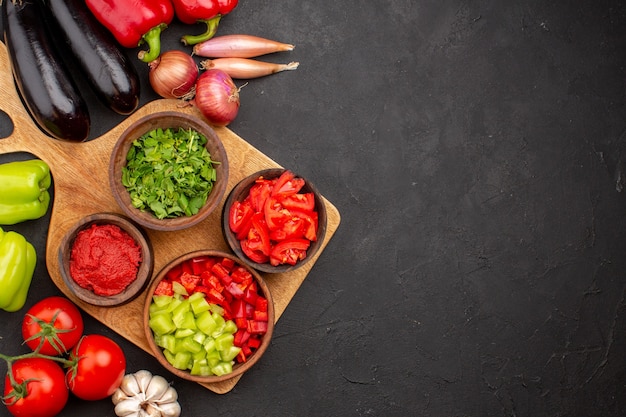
{"x":145,"y":395}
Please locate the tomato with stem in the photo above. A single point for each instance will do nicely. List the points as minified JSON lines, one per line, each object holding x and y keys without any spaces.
{"x":100,"y":367}
{"x":35,"y":387}
{"x":53,"y":326}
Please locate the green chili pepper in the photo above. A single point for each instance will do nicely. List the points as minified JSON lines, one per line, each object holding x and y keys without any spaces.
{"x":17,"y":265}
{"x":24,"y":190}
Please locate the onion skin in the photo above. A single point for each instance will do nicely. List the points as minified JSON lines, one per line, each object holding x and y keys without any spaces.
{"x":239,"y":46}
{"x":173,"y":75}
{"x":217,"y":97}
{"x":245,"y":68}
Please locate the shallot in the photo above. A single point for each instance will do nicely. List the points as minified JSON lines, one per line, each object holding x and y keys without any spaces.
{"x":245,"y":68}
{"x":173,"y":75}
{"x":217,"y":97}
{"x":239,"y":46}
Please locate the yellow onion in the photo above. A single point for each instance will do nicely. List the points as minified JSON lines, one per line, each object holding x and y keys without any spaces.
{"x":173,"y":75}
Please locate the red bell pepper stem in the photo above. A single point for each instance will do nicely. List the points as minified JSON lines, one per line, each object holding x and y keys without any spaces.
{"x":153,"y":39}
{"x":211,"y":30}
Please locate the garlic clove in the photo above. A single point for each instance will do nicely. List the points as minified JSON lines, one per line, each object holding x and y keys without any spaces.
{"x":156,"y":388}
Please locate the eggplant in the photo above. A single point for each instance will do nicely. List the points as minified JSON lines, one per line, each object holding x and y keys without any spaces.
{"x":43,"y":81}
{"x":109,"y":72}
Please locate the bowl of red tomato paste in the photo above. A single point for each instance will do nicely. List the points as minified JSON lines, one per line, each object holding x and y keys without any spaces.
{"x":208,"y":317}
{"x":168,"y":171}
{"x":106,"y":259}
{"x":274,"y":220}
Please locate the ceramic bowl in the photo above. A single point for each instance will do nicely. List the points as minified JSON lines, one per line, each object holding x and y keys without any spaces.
{"x":167,"y":272}
{"x":242,"y":190}
{"x":144,"y":269}
{"x":164,"y":120}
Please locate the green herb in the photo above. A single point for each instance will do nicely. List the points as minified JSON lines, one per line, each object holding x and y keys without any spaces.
{"x":169,"y":172}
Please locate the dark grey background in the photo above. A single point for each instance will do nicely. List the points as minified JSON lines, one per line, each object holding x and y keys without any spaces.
{"x":475,"y":150}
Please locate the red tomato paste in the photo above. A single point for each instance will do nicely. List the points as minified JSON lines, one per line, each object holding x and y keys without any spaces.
{"x":104,"y":259}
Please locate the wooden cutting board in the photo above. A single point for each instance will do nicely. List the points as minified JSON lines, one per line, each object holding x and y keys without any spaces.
{"x":81,"y":188}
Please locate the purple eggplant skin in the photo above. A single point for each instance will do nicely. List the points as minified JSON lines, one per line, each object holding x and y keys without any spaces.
{"x":44,"y":82}
{"x":109,"y":72}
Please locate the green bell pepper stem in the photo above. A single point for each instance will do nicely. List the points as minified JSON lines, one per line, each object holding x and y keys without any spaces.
{"x":153,"y":39}
{"x":211,"y":30}
{"x":17,"y":265}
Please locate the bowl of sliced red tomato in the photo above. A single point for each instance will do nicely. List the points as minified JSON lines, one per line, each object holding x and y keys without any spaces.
{"x":208,"y":317}
{"x":274,"y":220}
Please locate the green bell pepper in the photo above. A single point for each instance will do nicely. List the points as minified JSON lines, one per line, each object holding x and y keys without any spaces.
{"x":17,"y":265}
{"x":24,"y":190}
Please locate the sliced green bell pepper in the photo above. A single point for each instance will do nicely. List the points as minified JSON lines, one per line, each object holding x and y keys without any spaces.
{"x":24,"y":190}
{"x":17,"y":265}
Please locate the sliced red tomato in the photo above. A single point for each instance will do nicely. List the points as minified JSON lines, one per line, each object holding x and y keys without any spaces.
{"x":287,"y":184}
{"x":259,"y":192}
{"x":275,"y":214}
{"x":298,"y":201}
{"x":255,"y":255}
{"x":240,"y":214}
{"x":259,"y":235}
{"x":310,"y":219}
{"x":293,"y":228}
{"x":289,"y":251}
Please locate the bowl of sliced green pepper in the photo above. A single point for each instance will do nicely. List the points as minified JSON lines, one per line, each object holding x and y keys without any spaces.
{"x":208,"y":317}
{"x":168,"y":171}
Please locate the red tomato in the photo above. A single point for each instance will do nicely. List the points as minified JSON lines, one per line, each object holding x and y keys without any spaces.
{"x":100,"y":369}
{"x":259,"y":192}
{"x":46,"y":393}
{"x":255,"y":255}
{"x":57,"y":321}
{"x":289,"y":251}
{"x":299,"y":201}
{"x":287,"y":184}
{"x":240,"y":215}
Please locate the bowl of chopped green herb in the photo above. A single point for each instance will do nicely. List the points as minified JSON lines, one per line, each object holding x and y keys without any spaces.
{"x":168,"y":171}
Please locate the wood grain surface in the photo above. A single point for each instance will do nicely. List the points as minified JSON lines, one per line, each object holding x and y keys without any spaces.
{"x":81,"y":188}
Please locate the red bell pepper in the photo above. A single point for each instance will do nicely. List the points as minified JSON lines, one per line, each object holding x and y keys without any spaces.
{"x":202,"y":11}
{"x":134,"y":22}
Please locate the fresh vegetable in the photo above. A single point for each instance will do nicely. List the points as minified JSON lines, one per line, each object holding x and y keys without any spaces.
{"x":109,"y":72}
{"x":145,"y":394}
{"x":217,"y":97}
{"x":52,"y":326}
{"x":17,"y":265}
{"x":43,"y":81}
{"x":24,"y":190}
{"x":239,"y":46}
{"x":36,"y":384}
{"x":174,"y":75}
{"x":169,"y":172}
{"x":100,"y":367}
{"x":134,"y":22}
{"x":275,"y":222}
{"x":35,"y":387}
{"x":207,"y":314}
{"x":202,"y":11}
{"x":245,"y":68}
